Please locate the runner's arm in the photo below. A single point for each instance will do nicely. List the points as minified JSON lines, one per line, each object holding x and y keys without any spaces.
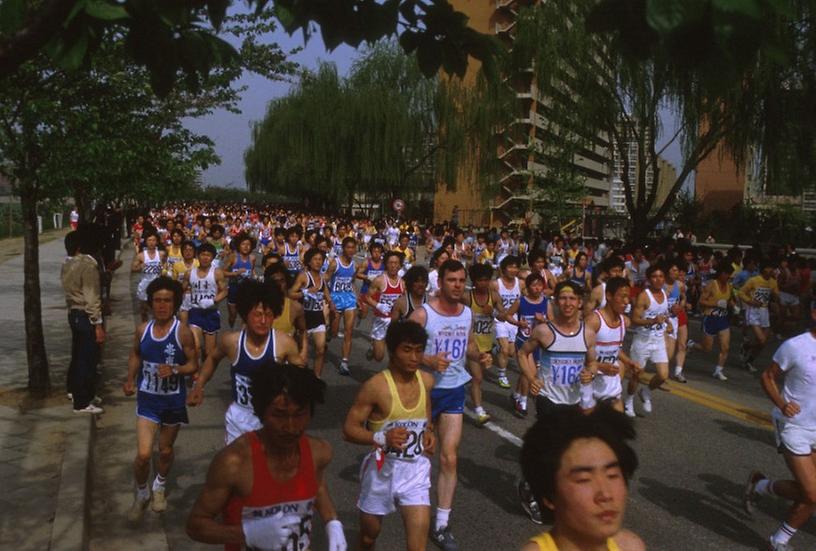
{"x":188,"y":345}
{"x":226,"y":348}
{"x":498,"y":306}
{"x":221,"y":283}
{"x":397,"y":310}
{"x":770,"y":384}
{"x":134,"y":361}
{"x":322,"y":456}
{"x":376,"y":285}
{"x":354,"y":427}
{"x":296,"y":290}
{"x":136,"y":265}
{"x":639,"y":309}
{"x":221,"y":480}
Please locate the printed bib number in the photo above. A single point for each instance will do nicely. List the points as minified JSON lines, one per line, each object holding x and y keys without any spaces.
{"x":286,"y":526}
{"x":413,"y":446}
{"x":343,"y":286}
{"x":242,"y":395}
{"x":153,"y":384}
{"x":454,"y":347}
{"x":565,"y":374}
{"x":483,"y":326}
{"x":607,"y":357}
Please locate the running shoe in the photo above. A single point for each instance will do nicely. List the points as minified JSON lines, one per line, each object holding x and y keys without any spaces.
{"x":749,"y":496}
{"x":774,"y":546}
{"x":646,"y":399}
{"x":137,"y":509}
{"x":503,"y":381}
{"x":719,"y":375}
{"x":519,"y":410}
{"x":444,"y":539}
{"x":629,"y":409}
{"x":482,"y":418}
{"x":96,"y":399}
{"x":90,"y":409}
{"x":158,"y":501}
{"x":745,"y":353}
{"x":343,"y":368}
{"x":340,"y":334}
{"x":750,"y":367}
{"x":678,"y":376}
{"x":370,"y":354}
{"x":528,"y":502}
{"x":690,"y":344}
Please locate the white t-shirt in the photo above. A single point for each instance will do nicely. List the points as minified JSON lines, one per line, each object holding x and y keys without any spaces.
{"x":797,"y":359}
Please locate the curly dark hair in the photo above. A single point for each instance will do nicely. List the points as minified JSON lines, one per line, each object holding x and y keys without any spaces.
{"x":270,"y":381}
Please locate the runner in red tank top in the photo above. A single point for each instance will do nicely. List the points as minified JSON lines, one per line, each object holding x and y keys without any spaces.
{"x":268,"y":483}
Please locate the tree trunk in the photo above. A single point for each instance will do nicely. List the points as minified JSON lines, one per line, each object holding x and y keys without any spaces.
{"x":38,"y":378}
{"x":639,"y":228}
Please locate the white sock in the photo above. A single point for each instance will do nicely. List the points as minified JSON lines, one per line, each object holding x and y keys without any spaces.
{"x":718,"y":369}
{"x":142,"y":493}
{"x":587,"y":397}
{"x":479,"y":410}
{"x":442,"y":516}
{"x":764,"y":487}
{"x":678,"y":369}
{"x":502,"y":373}
{"x":158,"y":483}
{"x":523,"y":401}
{"x":647,"y":393}
{"x":629,"y":399}
{"x":345,"y":359}
{"x":784,"y":534}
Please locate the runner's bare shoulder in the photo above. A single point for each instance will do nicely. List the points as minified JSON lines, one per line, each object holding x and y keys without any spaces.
{"x":629,"y":541}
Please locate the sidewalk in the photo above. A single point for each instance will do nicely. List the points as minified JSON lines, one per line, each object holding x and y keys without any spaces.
{"x":44,"y":447}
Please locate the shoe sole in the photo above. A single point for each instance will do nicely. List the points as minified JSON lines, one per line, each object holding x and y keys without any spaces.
{"x":748,"y":493}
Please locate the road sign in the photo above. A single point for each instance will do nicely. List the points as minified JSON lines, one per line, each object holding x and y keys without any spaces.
{"x":398,"y":205}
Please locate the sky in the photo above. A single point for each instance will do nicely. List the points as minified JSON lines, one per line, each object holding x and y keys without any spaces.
{"x":232,"y":132}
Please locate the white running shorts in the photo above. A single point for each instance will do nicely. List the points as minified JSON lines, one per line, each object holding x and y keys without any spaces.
{"x":607,"y":387}
{"x":644,"y":350}
{"x":399,"y":483}
{"x":239,"y":420}
{"x":378,"y":328}
{"x":757,"y":316}
{"x":797,"y":440}
{"x":506,"y":330}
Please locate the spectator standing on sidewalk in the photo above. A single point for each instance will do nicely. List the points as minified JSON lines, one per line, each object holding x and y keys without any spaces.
{"x":81,"y":283}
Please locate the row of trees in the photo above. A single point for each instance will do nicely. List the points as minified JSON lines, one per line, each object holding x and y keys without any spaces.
{"x":374,"y":132}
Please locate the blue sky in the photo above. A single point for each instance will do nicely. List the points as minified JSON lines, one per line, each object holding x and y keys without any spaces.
{"x":231,"y":133}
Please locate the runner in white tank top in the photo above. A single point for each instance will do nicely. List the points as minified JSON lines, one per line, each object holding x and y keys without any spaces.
{"x":150,"y":262}
{"x":650,"y":316}
{"x":509,"y":287}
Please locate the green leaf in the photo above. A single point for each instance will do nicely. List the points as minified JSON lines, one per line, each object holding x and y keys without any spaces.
{"x":106,"y":11}
{"x":286,"y":17}
{"x":12,"y":15}
{"x":72,"y":57}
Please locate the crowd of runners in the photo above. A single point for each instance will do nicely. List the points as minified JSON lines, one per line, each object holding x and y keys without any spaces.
{"x":582,"y":330}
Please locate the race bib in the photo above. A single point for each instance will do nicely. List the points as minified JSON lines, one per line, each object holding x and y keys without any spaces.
{"x":153,"y":384}
{"x":564,"y":372}
{"x":413,"y":446}
{"x":243,"y":397}
{"x":280,"y":527}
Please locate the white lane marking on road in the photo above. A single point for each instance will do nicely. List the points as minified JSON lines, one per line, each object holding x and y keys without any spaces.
{"x":503,"y":433}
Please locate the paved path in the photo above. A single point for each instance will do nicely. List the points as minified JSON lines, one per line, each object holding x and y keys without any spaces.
{"x":34,"y":434}
{"x":694,"y":454}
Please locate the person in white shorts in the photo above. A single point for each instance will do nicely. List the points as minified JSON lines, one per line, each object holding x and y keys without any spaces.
{"x":509,"y":287}
{"x":256,"y":346}
{"x":609,"y":325}
{"x":383,"y":293}
{"x":392,"y":414}
{"x":794,"y":415}
{"x":757,"y":294}
{"x":650,"y":316}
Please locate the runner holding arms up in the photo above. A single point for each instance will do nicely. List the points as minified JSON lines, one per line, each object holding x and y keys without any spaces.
{"x":392,"y":413}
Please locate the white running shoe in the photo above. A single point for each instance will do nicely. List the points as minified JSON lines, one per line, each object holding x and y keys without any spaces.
{"x":96,"y":399}
{"x":137,"y":509}
{"x":646,"y":398}
{"x":90,"y":409}
{"x":718,"y":374}
{"x":158,"y":501}
{"x":629,"y":409}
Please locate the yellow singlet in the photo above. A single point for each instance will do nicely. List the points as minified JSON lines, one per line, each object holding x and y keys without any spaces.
{"x":719,"y":295}
{"x":483,"y":322}
{"x":414,"y":420}
{"x":546,"y":543}
{"x":283,"y":323}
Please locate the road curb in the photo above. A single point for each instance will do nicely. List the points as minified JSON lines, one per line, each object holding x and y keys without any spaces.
{"x":69,"y":531}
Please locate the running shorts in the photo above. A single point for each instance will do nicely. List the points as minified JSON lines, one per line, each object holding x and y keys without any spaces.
{"x":757,"y":316}
{"x":682,"y":317}
{"x":208,"y":320}
{"x":186,"y":303}
{"x":447,"y":400}
{"x":315,"y":321}
{"x":161,"y":414}
{"x":675,"y":323}
{"x":793,"y":438}
{"x":344,"y":301}
{"x":399,"y":483}
{"x":506,"y":330}
{"x":141,"y":289}
{"x":232,"y":294}
{"x":378,"y":328}
{"x":239,"y":420}
{"x":712,"y":325}
{"x":788,"y":299}
{"x":644,"y":350}
{"x":607,"y":387}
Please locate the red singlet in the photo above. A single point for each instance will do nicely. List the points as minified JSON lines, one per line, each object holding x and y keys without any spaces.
{"x":291,"y":501}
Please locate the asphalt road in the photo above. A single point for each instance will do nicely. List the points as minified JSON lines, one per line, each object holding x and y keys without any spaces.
{"x":695,"y":452}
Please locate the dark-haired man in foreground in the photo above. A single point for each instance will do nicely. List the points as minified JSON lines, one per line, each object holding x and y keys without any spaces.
{"x":267,"y":483}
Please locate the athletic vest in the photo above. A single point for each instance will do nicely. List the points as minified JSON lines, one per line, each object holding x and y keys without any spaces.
{"x":283,"y":323}
{"x":508,"y":296}
{"x":292,"y":501}
{"x":483,"y":322}
{"x":655,"y":309}
{"x":247,"y":264}
{"x":609,"y":340}
{"x":388,"y":297}
{"x":291,"y":259}
{"x":449,"y":334}
{"x":313,"y":300}
{"x":414,"y":420}
{"x":718,"y":296}
{"x":174,"y":255}
{"x":154,"y":352}
{"x":342,"y":280}
{"x":246,"y":364}
{"x":151,"y":268}
{"x":673,"y":297}
{"x":410,"y":304}
{"x":560,"y":365}
{"x":576,"y":279}
{"x":547,"y":543}
{"x":202,"y":287}
{"x":527,"y":311}
{"x":371,"y":272}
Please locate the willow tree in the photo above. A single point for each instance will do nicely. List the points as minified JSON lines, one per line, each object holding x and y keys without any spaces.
{"x":374,"y":132}
{"x":589,"y":87}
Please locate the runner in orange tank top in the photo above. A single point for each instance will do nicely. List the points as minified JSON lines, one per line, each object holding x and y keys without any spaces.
{"x":268,"y":483}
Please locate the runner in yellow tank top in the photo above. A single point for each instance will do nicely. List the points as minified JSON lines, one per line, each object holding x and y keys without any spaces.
{"x":392,"y":414}
{"x":292,"y":318}
{"x":578,"y":467}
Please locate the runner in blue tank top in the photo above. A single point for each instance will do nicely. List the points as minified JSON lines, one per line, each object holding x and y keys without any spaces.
{"x":341,"y":274}
{"x":240,"y":268}
{"x":163,"y":353}
{"x":368,"y":272}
